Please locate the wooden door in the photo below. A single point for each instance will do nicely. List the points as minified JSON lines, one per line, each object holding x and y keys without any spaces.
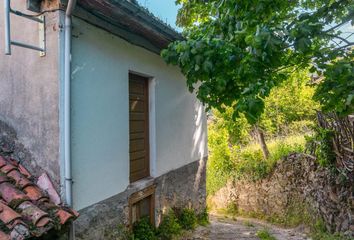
{"x":138,"y":127}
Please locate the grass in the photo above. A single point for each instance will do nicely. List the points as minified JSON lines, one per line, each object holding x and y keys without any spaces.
{"x":319,"y":232}
{"x":251,"y":163}
{"x":247,"y":162}
{"x":265,"y":235}
{"x":248,"y":224}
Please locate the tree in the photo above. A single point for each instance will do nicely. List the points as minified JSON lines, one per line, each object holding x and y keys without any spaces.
{"x":236,"y":51}
{"x":289,"y":110}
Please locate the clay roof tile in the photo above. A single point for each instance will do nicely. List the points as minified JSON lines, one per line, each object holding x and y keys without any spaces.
{"x":24,"y":203}
{"x":34,"y":193}
{"x":8,"y":215}
{"x":2,"y":161}
{"x":8,"y":168}
{"x":4,"y":236}
{"x":24,"y":171}
{"x":32,"y":212}
{"x":20,"y":180}
{"x":64,"y":216}
{"x":12,"y":195}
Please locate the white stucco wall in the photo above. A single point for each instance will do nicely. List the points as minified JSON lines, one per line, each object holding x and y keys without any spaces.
{"x":100,"y":119}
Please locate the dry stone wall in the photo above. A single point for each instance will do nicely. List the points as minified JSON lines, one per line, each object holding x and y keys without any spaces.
{"x":295,"y":177}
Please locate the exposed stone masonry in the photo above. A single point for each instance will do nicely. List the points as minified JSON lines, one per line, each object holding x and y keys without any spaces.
{"x":180,"y":188}
{"x":295,"y":177}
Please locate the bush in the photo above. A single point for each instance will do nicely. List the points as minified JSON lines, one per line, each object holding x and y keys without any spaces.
{"x":219,"y":166}
{"x":322,"y":146}
{"x":188,"y":219}
{"x":143,"y":230}
{"x":169,"y":226}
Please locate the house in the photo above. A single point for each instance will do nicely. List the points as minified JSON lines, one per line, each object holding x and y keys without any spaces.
{"x":86,"y":98}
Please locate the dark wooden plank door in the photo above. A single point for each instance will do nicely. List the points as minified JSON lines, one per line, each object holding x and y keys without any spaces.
{"x":138,"y":127}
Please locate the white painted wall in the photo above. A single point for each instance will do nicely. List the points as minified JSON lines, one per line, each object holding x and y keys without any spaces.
{"x":100,"y":119}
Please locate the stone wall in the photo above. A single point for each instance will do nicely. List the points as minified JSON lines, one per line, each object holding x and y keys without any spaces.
{"x":180,"y":188}
{"x":295,"y":177}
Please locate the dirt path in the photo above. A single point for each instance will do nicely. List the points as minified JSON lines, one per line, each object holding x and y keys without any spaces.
{"x":241,"y":229}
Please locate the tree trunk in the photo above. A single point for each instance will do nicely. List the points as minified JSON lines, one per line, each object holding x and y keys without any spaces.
{"x":261,"y":141}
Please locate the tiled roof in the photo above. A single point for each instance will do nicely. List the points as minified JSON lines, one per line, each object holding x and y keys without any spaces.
{"x":28,"y":209}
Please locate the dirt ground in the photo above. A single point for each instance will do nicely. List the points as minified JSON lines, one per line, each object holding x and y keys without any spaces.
{"x":242,"y":229}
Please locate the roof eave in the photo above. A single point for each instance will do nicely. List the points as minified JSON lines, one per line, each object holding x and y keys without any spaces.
{"x":128,"y":21}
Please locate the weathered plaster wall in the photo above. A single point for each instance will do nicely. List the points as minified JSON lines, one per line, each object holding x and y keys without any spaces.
{"x":100,"y":114}
{"x":29,"y":91}
{"x":179,"y":188}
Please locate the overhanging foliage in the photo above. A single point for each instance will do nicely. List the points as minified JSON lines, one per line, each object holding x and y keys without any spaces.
{"x":237,"y":50}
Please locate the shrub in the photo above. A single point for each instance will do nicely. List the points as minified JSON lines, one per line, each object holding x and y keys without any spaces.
{"x":188,"y":219}
{"x":219,"y":166}
{"x":322,"y":146}
{"x":143,"y":230}
{"x":169,"y":226}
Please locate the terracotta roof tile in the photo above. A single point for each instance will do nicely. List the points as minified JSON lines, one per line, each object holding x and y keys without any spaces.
{"x":12,"y":195}
{"x":4,"y":236}
{"x":20,"y":180}
{"x":64,"y":216}
{"x":46,"y":185}
{"x":28,"y":209}
{"x":24,"y":171}
{"x":2,"y":162}
{"x":7,"y":215}
{"x":8,"y":168}
{"x":34,"y":193}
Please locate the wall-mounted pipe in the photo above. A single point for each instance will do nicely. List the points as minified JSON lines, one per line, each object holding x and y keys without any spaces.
{"x":7,"y":27}
{"x":67,"y":115}
{"x":67,"y":103}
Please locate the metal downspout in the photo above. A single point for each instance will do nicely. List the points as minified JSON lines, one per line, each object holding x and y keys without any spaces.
{"x":67,"y":104}
{"x":7,"y":27}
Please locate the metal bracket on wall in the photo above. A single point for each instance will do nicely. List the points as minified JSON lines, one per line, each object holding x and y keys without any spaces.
{"x":41,"y":29}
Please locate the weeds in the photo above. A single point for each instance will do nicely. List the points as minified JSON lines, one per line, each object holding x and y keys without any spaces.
{"x":319,"y":232}
{"x":188,"y":219}
{"x":169,"y":227}
{"x":248,"y":224}
{"x":265,"y":235}
{"x":144,"y":230}
{"x":172,"y":225}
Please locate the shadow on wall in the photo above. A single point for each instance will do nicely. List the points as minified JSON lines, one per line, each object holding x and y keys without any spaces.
{"x":199,"y":142}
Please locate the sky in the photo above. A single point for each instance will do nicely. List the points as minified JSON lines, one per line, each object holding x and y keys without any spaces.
{"x":166,"y":10}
